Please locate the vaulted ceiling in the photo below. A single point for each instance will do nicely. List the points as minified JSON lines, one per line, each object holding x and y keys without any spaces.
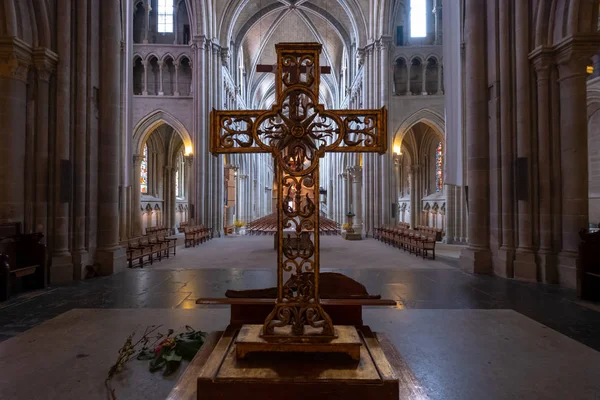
{"x":253,"y":27}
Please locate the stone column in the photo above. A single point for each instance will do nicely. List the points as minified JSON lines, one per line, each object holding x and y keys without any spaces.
{"x":330,"y":200}
{"x":160,"y":77}
{"x":173,"y":197}
{"x":572,"y":59}
{"x":187,"y":175}
{"x":137,"y":195}
{"x":80,"y":254}
{"x":110,"y":255}
{"x":477,"y":258}
{"x":408,"y":66}
{"x":45,"y":64}
{"x":546,"y":253}
{"x":15,"y":61}
{"x":356,"y":175}
{"x":176,"y":65}
{"x":145,"y":64}
{"x":437,"y":12}
{"x":506,"y":252}
{"x":450,"y":213}
{"x":62,"y":263}
{"x":344,"y":189}
{"x":148,"y":8}
{"x":415,"y":208}
{"x":440,"y":77}
{"x":424,"y":80}
{"x":525,"y":266}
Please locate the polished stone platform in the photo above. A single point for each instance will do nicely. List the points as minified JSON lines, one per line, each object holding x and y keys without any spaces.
{"x":453,"y":354}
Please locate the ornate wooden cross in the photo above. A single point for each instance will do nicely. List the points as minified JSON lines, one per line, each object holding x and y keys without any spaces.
{"x":298,"y":131}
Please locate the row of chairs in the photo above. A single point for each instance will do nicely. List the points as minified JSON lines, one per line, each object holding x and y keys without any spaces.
{"x":267,"y":225}
{"x":194,"y":235}
{"x":413,"y":241}
{"x":378,"y":232}
{"x":431,"y":231}
{"x":158,"y":230}
{"x":147,"y":249}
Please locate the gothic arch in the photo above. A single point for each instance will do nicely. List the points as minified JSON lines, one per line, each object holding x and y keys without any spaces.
{"x":427,"y":116}
{"x":150,"y":122}
{"x":28,"y":21}
{"x":556,"y":20}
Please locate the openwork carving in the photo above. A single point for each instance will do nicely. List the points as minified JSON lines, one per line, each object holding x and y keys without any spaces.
{"x":298,"y":131}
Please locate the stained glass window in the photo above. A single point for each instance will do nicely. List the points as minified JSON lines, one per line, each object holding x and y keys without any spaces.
{"x":165,"y":16}
{"x":144,"y":171}
{"x":439,"y":167}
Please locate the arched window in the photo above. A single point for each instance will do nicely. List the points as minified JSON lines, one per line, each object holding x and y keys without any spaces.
{"x":165,"y":16}
{"x":439,"y":165}
{"x":144,"y":171}
{"x":418,"y":18}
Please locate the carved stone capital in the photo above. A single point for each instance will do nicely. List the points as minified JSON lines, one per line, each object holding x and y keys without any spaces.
{"x":15,"y":58}
{"x":356,"y":173}
{"x":360,"y":56}
{"x":198,"y":42}
{"x":225,"y":55}
{"x":137,"y":160}
{"x":572,"y":54}
{"x":188,"y":160}
{"x":45,"y":62}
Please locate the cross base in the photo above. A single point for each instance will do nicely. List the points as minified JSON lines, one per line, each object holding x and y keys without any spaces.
{"x":217,"y":372}
{"x":250,"y":340}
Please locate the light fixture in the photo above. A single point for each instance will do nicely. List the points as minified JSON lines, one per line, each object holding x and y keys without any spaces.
{"x":590,"y":69}
{"x":188,"y":150}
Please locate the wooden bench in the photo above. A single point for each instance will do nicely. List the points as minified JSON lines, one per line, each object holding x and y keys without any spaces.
{"x":255,"y":311}
{"x":23,"y":262}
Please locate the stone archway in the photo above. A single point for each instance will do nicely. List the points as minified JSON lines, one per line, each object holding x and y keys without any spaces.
{"x":168,"y":167}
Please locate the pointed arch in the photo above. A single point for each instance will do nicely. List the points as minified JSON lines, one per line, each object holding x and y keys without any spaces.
{"x":152,"y":121}
{"x":425,"y":115}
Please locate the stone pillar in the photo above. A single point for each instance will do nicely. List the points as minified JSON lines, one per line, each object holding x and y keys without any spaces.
{"x":506,"y":252}
{"x":415,"y":208}
{"x":344,"y":188}
{"x":110,"y":256}
{"x":525,"y":266}
{"x":356,"y":175}
{"x":572,"y":60}
{"x":145,"y":65}
{"x":176,"y":65}
{"x":15,"y":61}
{"x":546,"y":252}
{"x":424,"y":80}
{"x":137,"y":195}
{"x":437,"y":12}
{"x":187,"y":175}
{"x":450,"y":217}
{"x":408,"y":66}
{"x":148,"y":8}
{"x":45,"y":64}
{"x":160,"y":77}
{"x":476,"y":257}
{"x":330,"y":200}
{"x":440,"y":77}
{"x":61,"y":270}
{"x":80,"y":254}
{"x":173,"y":197}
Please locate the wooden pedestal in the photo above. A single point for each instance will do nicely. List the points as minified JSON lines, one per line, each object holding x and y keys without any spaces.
{"x":292,"y":376}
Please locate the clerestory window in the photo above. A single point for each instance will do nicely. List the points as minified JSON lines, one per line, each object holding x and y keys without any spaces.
{"x":418,"y":18}
{"x":165,"y":16}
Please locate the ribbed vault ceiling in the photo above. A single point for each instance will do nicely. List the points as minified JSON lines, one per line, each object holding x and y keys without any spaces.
{"x":258,"y":25}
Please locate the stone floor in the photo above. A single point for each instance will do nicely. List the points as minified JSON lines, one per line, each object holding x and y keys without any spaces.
{"x":453,"y":327}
